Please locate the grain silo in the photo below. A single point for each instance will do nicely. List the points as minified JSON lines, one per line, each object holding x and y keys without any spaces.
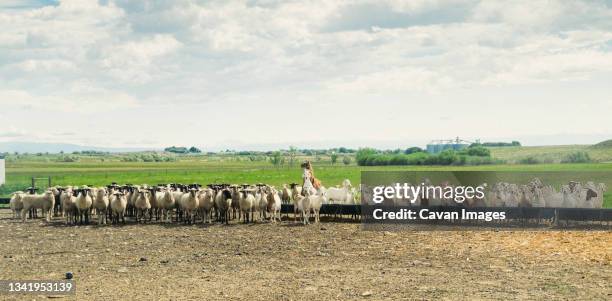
{"x":437,"y":146}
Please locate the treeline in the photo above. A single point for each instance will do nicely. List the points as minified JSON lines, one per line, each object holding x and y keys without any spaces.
{"x":293,"y":150}
{"x":182,"y":150}
{"x":147,"y":157}
{"x":89,"y":153}
{"x":574,"y":157}
{"x":496,"y":144}
{"x":476,"y":155}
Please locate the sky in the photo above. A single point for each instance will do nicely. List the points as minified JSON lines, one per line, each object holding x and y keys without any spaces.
{"x":268,"y":74}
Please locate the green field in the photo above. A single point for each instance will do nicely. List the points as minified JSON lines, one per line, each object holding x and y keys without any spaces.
{"x":230,"y":170}
{"x":549,"y":154}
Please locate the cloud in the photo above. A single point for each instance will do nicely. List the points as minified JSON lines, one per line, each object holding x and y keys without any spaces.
{"x":135,"y":60}
{"x":12,"y":132}
{"x":81,"y":98}
{"x":368,"y":15}
{"x":322,"y":56}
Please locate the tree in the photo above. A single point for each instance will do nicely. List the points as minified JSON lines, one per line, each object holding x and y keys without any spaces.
{"x":292,"y":154}
{"x":479,"y":151}
{"x":194,"y":149}
{"x":363,"y":154}
{"x":346,"y":160}
{"x":276,"y":159}
{"x":412,"y":150}
{"x":175,"y":149}
{"x":334,"y":158}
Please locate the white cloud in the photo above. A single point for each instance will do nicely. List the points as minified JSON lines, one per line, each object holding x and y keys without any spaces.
{"x":178,"y":56}
{"x":80,"y":98}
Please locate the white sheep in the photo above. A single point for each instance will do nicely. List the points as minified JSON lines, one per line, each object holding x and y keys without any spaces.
{"x":236,"y":195}
{"x":83,"y":204}
{"x":553,"y":198}
{"x":68,"y":200}
{"x":342,"y":195}
{"x":57,"y":191}
{"x":261,"y":200}
{"x":274,"y":205}
{"x":178,"y":194}
{"x":143,"y":205}
{"x":153,"y":196}
{"x":44,"y":201}
{"x":131,"y":199}
{"x":285,"y":194}
{"x":189,"y":204}
{"x":118,"y":204}
{"x":299,"y":206}
{"x":100,"y":203}
{"x":592,"y":195}
{"x":16,"y":204}
{"x":313,"y":203}
{"x":223,"y":202}
{"x":206,"y":202}
{"x":571,"y":195}
{"x":166,"y":202}
{"x":246,"y":202}
{"x":296,"y":192}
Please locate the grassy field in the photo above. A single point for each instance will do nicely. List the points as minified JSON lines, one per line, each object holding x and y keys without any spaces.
{"x":205,"y":170}
{"x":549,"y":154}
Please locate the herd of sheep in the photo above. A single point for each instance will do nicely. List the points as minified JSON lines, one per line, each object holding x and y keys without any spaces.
{"x":167,"y":202}
{"x":533,"y":194}
{"x":259,"y":202}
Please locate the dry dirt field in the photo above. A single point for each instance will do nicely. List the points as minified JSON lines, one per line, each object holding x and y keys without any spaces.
{"x":330,"y":261}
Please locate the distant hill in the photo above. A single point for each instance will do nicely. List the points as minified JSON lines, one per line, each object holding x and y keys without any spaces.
{"x":41,"y":147}
{"x":603,"y":144}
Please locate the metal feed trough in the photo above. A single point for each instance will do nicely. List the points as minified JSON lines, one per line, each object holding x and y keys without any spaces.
{"x":563,"y":217}
{"x":521,"y":215}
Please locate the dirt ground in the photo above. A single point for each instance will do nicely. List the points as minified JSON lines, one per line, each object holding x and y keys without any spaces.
{"x":285,"y":261}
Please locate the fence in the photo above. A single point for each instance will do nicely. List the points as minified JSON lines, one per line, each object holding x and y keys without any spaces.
{"x":523,"y":215}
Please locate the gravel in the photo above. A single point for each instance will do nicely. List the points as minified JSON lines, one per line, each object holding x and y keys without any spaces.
{"x":293,"y":262}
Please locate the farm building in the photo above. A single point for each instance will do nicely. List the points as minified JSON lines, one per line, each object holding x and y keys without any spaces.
{"x":2,"y":172}
{"x":437,"y":146}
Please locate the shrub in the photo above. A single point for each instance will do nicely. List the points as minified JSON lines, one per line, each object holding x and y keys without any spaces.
{"x":577,"y":157}
{"x":447,"y":157}
{"x":68,"y":158}
{"x":346,"y":160}
{"x":478,"y":151}
{"x":412,"y":150}
{"x":535,"y":160}
{"x":478,"y":156}
{"x":334,"y":158}
{"x":497,"y":144}
{"x":178,"y":150}
{"x":363,"y":154}
{"x":277,"y":159}
{"x":194,"y":149}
